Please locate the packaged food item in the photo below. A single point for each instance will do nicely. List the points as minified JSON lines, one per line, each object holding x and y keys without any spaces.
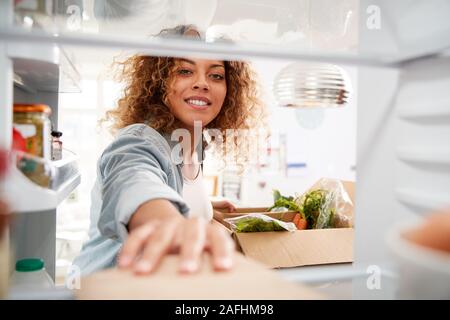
{"x":33,"y":123}
{"x":327,"y":205}
{"x":56,"y":145}
{"x":283,"y":203}
{"x":259,"y":223}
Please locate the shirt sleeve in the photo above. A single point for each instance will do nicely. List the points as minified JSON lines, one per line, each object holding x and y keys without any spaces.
{"x":132,"y":174}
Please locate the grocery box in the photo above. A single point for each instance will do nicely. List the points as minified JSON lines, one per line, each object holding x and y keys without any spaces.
{"x":248,"y":280}
{"x":297,"y":248}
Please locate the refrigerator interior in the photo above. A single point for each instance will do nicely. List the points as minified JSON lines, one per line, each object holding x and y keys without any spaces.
{"x":393,"y":137}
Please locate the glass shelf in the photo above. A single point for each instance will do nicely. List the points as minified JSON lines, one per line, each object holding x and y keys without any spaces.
{"x":356,"y":32}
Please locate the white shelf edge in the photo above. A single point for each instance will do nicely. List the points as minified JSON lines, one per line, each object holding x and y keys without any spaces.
{"x":424,"y":155}
{"x":183,"y":47}
{"x":422,"y":199}
{"x":320,"y":273}
{"x":25,"y":196}
{"x":327,"y":273}
{"x":418,"y":111}
{"x":33,"y":51}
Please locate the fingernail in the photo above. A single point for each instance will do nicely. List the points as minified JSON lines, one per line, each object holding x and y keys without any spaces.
{"x":143,"y":266}
{"x":224,"y":263}
{"x":188,"y":266}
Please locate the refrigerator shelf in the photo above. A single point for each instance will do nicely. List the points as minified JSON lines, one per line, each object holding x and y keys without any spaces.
{"x":424,"y":201}
{"x":438,"y":110}
{"x":182,"y":47}
{"x":432,"y":156}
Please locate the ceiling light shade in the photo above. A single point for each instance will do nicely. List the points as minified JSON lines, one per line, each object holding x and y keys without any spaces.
{"x":310,"y":85}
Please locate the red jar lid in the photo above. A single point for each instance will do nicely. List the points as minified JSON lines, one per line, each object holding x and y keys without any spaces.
{"x":35,"y":107}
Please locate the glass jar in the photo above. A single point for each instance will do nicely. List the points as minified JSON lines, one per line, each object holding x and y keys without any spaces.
{"x":33,"y":123}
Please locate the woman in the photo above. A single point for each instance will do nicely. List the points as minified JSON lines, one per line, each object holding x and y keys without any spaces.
{"x":143,"y":198}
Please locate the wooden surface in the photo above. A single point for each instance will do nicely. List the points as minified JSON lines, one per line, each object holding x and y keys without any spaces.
{"x":247,"y":280}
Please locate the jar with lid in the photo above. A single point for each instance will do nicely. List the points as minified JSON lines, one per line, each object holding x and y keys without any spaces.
{"x":33,"y":123}
{"x":56,"y":145}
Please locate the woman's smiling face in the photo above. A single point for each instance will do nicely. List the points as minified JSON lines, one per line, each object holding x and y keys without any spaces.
{"x":197,"y":91}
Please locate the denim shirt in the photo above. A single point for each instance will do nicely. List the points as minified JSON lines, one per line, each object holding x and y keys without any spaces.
{"x":135,"y":168}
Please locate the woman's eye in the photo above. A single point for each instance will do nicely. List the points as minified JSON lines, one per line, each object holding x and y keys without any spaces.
{"x":184,"y":71}
{"x":217,"y":76}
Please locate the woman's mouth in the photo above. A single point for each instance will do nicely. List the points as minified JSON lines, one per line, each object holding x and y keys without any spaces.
{"x":198,"y":103}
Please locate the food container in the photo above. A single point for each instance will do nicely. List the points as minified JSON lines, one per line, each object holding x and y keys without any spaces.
{"x":30,"y":273}
{"x":33,"y":123}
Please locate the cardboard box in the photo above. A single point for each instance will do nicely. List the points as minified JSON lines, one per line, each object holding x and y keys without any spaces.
{"x":298,"y":248}
{"x":248,"y":280}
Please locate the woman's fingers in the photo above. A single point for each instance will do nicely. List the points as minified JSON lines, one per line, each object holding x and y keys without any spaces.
{"x":134,"y":243}
{"x":224,"y":204}
{"x":231,"y":207}
{"x":227,"y":204}
{"x":221,"y":247}
{"x":177,"y":240}
{"x":157,"y":245}
{"x":194,"y":236}
{"x":191,"y":236}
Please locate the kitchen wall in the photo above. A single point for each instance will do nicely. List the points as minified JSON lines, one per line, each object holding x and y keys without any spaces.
{"x":321,"y":143}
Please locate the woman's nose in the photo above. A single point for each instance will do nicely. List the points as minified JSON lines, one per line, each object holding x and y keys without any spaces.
{"x":201,"y":83}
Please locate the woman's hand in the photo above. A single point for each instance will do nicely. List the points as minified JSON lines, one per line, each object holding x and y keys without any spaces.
{"x":223,"y":205}
{"x":150,"y":242}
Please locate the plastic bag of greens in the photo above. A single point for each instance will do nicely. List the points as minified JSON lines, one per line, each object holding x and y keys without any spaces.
{"x":283,"y":203}
{"x":327,"y":205}
{"x":255,"y":222}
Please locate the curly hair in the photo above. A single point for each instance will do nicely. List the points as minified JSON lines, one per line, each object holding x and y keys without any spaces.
{"x":147,"y":81}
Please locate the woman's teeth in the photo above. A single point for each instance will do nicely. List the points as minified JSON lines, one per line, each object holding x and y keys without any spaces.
{"x":197,"y":102}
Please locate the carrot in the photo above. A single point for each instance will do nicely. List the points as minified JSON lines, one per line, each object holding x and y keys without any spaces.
{"x":296,"y":219}
{"x":302,"y":224}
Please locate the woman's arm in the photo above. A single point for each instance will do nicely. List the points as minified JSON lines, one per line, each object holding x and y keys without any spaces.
{"x":141,"y":210}
{"x":133,"y":171}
